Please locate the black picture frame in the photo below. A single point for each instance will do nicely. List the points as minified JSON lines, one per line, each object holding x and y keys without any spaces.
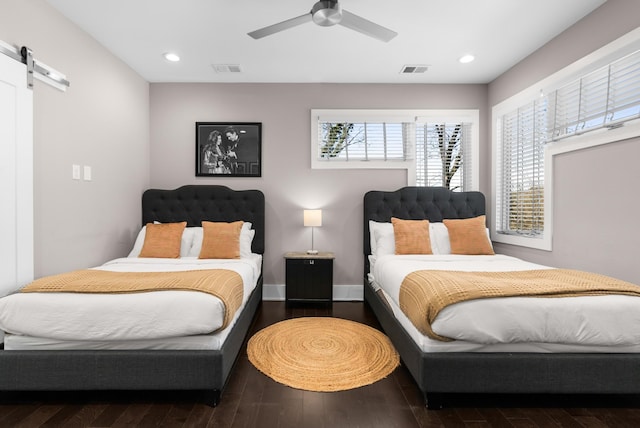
{"x":219,"y":155}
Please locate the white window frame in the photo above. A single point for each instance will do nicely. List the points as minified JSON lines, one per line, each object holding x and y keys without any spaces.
{"x":620,"y":47}
{"x":395,"y":115}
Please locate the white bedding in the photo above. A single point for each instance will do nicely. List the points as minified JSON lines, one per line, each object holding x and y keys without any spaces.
{"x":128,"y":317}
{"x":581,"y":324}
{"x":195,"y":342}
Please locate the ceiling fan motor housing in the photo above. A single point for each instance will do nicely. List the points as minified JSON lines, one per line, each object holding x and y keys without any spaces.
{"x":326,"y":13}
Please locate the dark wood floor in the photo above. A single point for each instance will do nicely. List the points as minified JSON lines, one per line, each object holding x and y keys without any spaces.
{"x":253,"y":400}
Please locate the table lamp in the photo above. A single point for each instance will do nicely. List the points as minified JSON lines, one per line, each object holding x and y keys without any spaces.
{"x":312,"y":218}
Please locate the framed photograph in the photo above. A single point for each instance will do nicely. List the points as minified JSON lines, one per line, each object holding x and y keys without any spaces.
{"x":229,"y":149}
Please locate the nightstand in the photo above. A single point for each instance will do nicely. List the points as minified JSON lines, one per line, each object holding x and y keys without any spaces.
{"x":309,"y":277}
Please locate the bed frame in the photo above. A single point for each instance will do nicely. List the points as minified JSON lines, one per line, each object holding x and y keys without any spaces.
{"x":205,"y":371}
{"x":440,"y":374}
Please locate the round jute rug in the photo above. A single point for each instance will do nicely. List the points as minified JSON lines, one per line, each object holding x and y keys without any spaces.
{"x":322,"y":354}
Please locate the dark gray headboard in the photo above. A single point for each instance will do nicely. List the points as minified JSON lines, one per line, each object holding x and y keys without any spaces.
{"x":419,"y":203}
{"x":195,"y":203}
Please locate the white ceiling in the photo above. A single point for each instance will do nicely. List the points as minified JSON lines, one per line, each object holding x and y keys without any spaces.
{"x":430,"y":32}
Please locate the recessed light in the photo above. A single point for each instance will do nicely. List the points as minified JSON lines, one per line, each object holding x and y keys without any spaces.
{"x":169,"y":56}
{"x":466,"y":58}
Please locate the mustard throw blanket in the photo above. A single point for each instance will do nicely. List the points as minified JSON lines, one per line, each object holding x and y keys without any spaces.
{"x":222,"y":283}
{"x":424,"y":293}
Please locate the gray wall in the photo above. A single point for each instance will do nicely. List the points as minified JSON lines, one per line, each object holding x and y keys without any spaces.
{"x":595,"y":206}
{"x":101,"y":121}
{"x":288,"y":182}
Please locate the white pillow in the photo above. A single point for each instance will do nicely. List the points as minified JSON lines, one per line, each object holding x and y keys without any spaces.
{"x":439,"y":236}
{"x":381,"y":238}
{"x":185,"y":243}
{"x":246,"y":238}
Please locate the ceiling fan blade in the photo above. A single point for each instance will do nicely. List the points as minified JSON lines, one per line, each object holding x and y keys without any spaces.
{"x":280,"y":26}
{"x":367,"y":27}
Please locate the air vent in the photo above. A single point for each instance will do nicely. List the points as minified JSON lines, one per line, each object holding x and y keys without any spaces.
{"x":413,"y":69}
{"x":227,"y":68}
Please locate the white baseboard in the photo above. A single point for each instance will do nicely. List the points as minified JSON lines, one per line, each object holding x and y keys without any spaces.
{"x":347,"y":293}
{"x":273,"y":292}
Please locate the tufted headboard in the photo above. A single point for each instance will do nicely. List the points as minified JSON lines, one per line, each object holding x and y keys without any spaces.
{"x":194,"y":203}
{"x":419,"y":203}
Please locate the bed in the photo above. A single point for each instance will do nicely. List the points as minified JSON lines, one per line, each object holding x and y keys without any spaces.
{"x":61,"y":365}
{"x":459,"y":367}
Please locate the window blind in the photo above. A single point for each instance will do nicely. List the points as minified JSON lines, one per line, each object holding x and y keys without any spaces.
{"x":520,"y":188}
{"x":606,"y":97}
{"x":398,"y":139}
{"x":442,"y":150}
{"x":364,"y":141}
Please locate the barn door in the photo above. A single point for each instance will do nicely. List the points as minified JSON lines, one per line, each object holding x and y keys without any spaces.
{"x":16,"y":176}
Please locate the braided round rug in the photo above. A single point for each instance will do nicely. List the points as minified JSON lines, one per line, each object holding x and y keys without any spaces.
{"x":322,"y":354}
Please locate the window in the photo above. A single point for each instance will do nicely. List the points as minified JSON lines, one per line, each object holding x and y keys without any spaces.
{"x":531,"y":128}
{"x":607,"y":97}
{"x":520,"y":170}
{"x":437,"y":147}
{"x":364,"y":141}
{"x":444,"y":155}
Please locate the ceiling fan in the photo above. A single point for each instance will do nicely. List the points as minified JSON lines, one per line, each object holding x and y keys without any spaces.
{"x":327,"y":13}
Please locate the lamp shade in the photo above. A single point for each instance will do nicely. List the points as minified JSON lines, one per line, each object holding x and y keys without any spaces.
{"x":313,"y":218}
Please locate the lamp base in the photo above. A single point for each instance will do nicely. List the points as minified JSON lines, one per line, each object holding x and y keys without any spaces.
{"x":312,"y":251}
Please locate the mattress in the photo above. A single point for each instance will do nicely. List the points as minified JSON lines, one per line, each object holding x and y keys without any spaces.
{"x":516,"y":324}
{"x":129,"y":320}
{"x":211,"y":341}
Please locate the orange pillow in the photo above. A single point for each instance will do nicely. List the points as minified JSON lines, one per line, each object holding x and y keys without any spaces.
{"x":220,"y":240}
{"x":469,"y":236}
{"x":162,"y":240}
{"x":411,"y":236}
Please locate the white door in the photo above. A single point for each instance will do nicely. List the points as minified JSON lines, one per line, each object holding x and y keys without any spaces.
{"x":16,"y":176}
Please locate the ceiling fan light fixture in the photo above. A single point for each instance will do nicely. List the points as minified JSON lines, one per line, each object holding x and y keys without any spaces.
{"x":326,"y":13}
